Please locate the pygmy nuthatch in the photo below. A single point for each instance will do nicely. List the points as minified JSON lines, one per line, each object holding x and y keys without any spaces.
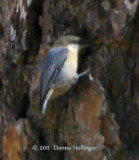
{"x":59,"y":70}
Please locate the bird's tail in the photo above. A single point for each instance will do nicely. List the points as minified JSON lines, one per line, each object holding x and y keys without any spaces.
{"x":45,"y":103}
{"x":44,"y":106}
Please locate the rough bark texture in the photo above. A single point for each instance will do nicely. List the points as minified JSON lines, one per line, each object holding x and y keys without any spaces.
{"x":103,"y":113}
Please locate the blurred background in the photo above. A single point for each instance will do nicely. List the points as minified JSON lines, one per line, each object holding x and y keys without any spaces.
{"x":103,"y":113}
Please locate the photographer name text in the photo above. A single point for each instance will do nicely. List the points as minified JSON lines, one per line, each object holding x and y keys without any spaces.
{"x":69,"y":148}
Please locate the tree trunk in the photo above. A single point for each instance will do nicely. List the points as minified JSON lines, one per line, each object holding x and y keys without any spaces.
{"x":95,"y":120}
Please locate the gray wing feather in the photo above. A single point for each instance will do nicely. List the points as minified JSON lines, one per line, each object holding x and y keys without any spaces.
{"x":52,"y":65}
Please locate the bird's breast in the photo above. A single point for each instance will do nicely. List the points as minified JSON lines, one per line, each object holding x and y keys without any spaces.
{"x":68,"y":74}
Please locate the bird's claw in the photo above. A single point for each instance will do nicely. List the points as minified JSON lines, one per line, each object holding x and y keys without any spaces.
{"x":90,"y":77}
{"x":84,"y":73}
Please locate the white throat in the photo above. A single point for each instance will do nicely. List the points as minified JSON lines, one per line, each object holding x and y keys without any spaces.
{"x":73,"y":47}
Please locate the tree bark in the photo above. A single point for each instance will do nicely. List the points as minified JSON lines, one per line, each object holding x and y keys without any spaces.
{"x":103,"y":113}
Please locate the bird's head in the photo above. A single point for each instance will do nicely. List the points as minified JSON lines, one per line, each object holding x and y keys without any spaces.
{"x":71,"y":41}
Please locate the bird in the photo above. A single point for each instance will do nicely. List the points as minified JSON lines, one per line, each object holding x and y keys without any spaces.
{"x":59,"y":70}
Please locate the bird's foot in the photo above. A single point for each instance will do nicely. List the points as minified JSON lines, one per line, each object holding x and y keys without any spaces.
{"x":90,"y":77}
{"x":84,"y":73}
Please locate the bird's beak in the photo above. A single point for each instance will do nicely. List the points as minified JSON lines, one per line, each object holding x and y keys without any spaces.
{"x":83,"y":46}
{"x":83,"y":43}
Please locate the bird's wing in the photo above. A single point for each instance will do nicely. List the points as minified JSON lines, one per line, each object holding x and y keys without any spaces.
{"x":52,"y":65}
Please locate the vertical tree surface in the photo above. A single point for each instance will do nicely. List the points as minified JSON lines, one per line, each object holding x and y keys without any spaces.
{"x":103,"y":113}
